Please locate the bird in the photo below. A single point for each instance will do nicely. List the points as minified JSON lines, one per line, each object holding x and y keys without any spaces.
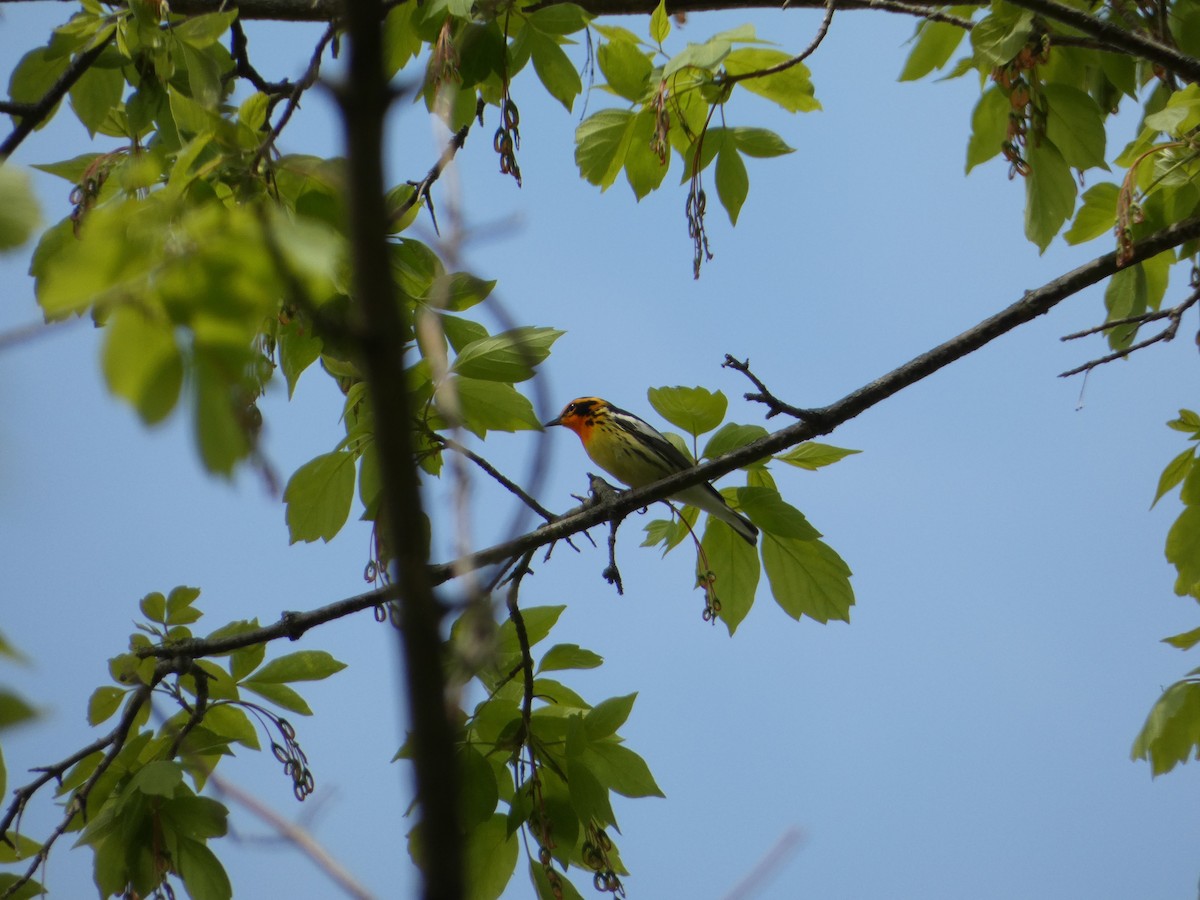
{"x":635,"y":452}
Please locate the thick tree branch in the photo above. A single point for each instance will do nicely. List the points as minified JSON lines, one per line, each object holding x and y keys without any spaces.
{"x":327,"y":10}
{"x":1132,"y":42}
{"x":365,"y":100}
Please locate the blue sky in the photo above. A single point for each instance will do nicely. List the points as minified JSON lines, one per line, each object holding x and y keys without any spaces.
{"x":967,"y":734}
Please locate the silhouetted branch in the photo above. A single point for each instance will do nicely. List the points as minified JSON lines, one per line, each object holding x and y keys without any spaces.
{"x":32,"y":116}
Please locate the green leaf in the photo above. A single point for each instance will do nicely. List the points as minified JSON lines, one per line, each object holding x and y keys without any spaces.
{"x":696,"y":410}
{"x":1172,"y":731}
{"x":71,"y":170}
{"x":589,"y":798}
{"x":733,"y":183}
{"x":660,"y":23}
{"x":219,"y":432}
{"x":401,"y":40}
{"x":562,"y":889}
{"x":759,"y":142}
{"x":230,"y":722}
{"x":644,"y":170}
{"x":179,"y":609}
{"x":318,"y":497}
{"x":201,"y":871}
{"x":458,"y":291}
{"x":791,"y":89}
{"x":607,"y":716}
{"x":554,"y":68}
{"x":538,"y":622}
{"x":303,"y":665}
{"x":1049,"y":195}
{"x":32,"y":889}
{"x":558,"y":694}
{"x":560,"y":19}
{"x":705,"y":58}
{"x":734,"y":565}
{"x":807,"y":578}
{"x":1176,"y":470}
{"x":35,"y":75}
{"x":14,"y":710}
{"x":195,"y":817}
{"x":1188,"y":422}
{"x":493,"y":406}
{"x":21,"y":847}
{"x":154,"y":607}
{"x":1097,"y":214}
{"x":479,"y":791}
{"x":989,"y":127}
{"x":279,"y":694}
{"x":601,"y":144}
{"x":626,"y":68}
{"x":19,"y":213}
{"x":508,"y":357}
{"x":568,"y":656}
{"x":774,"y":515}
{"x":1185,"y":641}
{"x":204,"y":30}
{"x":491,"y":858}
{"x":1183,"y":551}
{"x":812,"y":455}
{"x":299,"y":348}
{"x":934,"y":44}
{"x":159,"y":778}
{"x":1180,"y":114}
{"x":998,"y":38}
{"x":1131,"y":292}
{"x":96,"y":93}
{"x":142,"y":363}
{"x":621,"y":769}
{"x":1075,"y":124}
{"x":104,"y":701}
{"x":730,"y":437}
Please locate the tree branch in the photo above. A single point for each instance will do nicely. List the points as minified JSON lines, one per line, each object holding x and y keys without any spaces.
{"x":294,"y":834}
{"x":1132,"y":42}
{"x":33,"y":116}
{"x":364,"y":100}
{"x":1174,"y":314}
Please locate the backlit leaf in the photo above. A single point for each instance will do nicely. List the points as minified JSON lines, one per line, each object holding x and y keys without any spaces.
{"x":807,"y":578}
{"x":735,"y":569}
{"x":318,"y":497}
{"x":303,"y":665}
{"x":1049,"y":194}
{"x":694,"y":409}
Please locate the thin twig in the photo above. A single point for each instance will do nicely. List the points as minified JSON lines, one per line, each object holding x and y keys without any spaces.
{"x":115,"y":741}
{"x":1174,"y":314}
{"x":505,"y":482}
{"x":239,"y":50}
{"x":775,"y":406}
{"x":293,"y":102}
{"x":808,"y":51}
{"x":294,"y":834}
{"x":421,"y":188}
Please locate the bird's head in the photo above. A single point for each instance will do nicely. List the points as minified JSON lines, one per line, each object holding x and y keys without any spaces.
{"x":580,"y":414}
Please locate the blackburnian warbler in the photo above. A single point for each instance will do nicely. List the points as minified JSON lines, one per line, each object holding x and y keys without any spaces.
{"x":637,"y":454}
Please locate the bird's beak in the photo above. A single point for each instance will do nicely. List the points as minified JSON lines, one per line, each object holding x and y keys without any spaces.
{"x":557,"y":420}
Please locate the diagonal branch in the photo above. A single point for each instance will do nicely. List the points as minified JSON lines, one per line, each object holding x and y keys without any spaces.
{"x":1132,"y":42}
{"x":1035,"y":303}
{"x":35,"y":114}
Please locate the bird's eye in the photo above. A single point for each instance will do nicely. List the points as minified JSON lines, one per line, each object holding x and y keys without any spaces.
{"x":570,"y":408}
